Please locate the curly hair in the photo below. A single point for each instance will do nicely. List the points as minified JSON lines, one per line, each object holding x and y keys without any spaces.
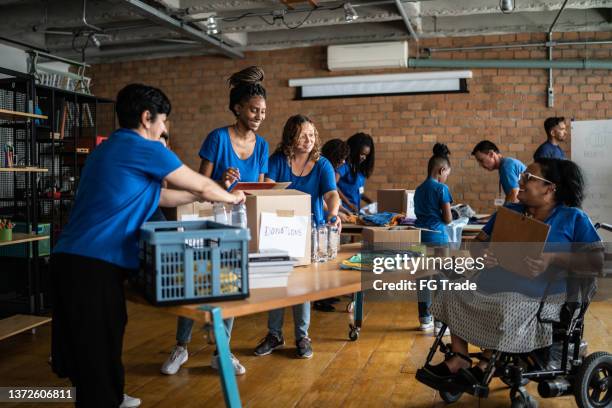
{"x":336,"y":151}
{"x":244,"y":85}
{"x":291,"y":133}
{"x":356,"y":142}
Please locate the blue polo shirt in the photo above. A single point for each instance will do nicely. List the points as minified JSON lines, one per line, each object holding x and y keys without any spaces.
{"x":428,"y":200}
{"x":351,"y":184}
{"x":321,"y":180}
{"x":510,"y":170}
{"x":118,"y":191}
{"x":217,"y":149}
{"x":567,"y":225}
{"x":548,"y":150}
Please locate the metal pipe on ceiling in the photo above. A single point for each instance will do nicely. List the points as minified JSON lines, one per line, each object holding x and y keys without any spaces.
{"x":526,"y":45}
{"x":535,"y":64}
{"x":402,"y":12}
{"x":550,"y":101}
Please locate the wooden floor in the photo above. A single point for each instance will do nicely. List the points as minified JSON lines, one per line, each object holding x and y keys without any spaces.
{"x":376,"y":371}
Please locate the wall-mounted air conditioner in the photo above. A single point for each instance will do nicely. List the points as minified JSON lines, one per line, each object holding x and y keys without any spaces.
{"x":368,"y":56}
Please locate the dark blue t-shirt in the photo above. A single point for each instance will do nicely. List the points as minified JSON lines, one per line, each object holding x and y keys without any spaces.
{"x":321,"y":180}
{"x":510,"y":170}
{"x":217,"y":149}
{"x":567,"y":225}
{"x":428,"y":200}
{"x":549,"y":151}
{"x":351,"y":184}
{"x":118,"y":191}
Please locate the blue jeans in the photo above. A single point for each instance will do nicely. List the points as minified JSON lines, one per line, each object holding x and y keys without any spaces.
{"x":424,"y":299}
{"x":184,"y":328}
{"x":301,"y":320}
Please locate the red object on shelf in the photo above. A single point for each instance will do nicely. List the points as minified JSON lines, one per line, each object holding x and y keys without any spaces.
{"x":100,"y":139}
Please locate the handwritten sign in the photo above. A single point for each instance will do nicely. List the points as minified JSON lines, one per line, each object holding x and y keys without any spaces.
{"x":284,"y":233}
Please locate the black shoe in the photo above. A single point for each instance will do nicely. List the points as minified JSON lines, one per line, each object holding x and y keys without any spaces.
{"x":304,"y":347}
{"x":323,"y":306}
{"x":440,"y":370}
{"x":472,"y":376}
{"x":269,"y":344}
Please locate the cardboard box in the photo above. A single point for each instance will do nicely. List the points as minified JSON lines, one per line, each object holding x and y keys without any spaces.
{"x":397,"y":201}
{"x":399,"y":234}
{"x":283,"y":203}
{"x":190,"y":212}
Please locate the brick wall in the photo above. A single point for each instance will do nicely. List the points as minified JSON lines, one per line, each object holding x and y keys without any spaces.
{"x":504,"y":105}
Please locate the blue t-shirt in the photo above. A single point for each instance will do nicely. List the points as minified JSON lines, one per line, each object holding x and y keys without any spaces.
{"x":321,"y":180}
{"x":428,"y":200}
{"x":217,"y":149}
{"x":567,"y":225}
{"x":118,"y":191}
{"x":510,"y":170}
{"x":351,"y":184}
{"x":549,"y":151}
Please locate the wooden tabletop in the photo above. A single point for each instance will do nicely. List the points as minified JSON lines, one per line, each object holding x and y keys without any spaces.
{"x":306,"y":283}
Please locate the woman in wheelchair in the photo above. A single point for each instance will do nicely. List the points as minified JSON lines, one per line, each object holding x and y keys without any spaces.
{"x":506,"y":313}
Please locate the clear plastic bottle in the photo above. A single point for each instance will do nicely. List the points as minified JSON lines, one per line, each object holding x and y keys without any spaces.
{"x":314,"y":241}
{"x":322,"y":237}
{"x":239,"y":216}
{"x":220,"y":214}
{"x":333,"y":241}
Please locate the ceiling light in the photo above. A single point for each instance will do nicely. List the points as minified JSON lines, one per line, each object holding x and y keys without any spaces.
{"x":506,"y":6}
{"x":350,"y":14}
{"x":211,"y":26}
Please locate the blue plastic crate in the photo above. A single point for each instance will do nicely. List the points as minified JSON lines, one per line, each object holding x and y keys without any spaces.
{"x":193,"y":262}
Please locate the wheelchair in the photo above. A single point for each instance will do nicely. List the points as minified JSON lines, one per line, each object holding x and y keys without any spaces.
{"x":562,"y":369}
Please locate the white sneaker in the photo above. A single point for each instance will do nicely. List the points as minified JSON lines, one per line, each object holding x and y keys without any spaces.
{"x":426,"y":327}
{"x":129,"y":402}
{"x":437,"y":328}
{"x":177,"y":358}
{"x":238,"y":368}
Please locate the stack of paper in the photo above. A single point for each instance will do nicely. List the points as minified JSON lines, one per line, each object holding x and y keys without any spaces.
{"x":269,"y":269}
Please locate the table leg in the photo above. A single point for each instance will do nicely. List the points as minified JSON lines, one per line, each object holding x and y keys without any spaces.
{"x":354,"y":329}
{"x":226,"y":369}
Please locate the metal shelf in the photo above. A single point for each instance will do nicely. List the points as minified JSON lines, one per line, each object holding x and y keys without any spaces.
{"x":24,"y":169}
{"x":19,"y":238}
{"x":14,"y":115}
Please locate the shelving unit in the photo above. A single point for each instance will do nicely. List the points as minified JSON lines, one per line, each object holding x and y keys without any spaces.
{"x":19,"y":202}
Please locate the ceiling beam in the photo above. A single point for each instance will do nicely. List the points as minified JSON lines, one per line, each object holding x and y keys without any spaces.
{"x":153,"y":14}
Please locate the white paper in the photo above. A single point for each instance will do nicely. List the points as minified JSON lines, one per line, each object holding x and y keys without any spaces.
{"x":410,"y":205}
{"x":286,"y":233}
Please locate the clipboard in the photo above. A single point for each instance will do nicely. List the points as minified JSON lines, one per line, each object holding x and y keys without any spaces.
{"x":516,"y":236}
{"x":259,"y":186}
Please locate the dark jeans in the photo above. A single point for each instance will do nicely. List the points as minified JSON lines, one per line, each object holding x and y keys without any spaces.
{"x":89,"y":318}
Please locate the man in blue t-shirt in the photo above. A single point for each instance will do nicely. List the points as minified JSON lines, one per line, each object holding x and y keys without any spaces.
{"x":556,"y":132}
{"x":119,"y":189}
{"x":490,"y":158}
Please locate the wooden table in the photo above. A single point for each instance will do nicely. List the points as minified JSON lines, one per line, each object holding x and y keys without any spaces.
{"x":306,"y":283}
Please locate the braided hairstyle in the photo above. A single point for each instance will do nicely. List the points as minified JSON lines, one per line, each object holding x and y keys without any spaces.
{"x":244,"y":85}
{"x":439,"y":158}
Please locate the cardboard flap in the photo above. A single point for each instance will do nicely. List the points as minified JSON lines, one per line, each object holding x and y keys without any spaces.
{"x":273,"y":193}
{"x":260,"y":186}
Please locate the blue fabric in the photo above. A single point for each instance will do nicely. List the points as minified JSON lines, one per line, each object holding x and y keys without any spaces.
{"x":217,"y":149}
{"x":350,"y":184}
{"x":321,"y":180}
{"x":567,"y":225}
{"x":118,"y":191}
{"x":379,"y":219}
{"x":549,"y":151}
{"x":428,"y":200}
{"x":184,"y":327}
{"x":510,"y":170}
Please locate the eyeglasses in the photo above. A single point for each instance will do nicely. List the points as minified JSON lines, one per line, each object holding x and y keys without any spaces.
{"x":526,"y":176}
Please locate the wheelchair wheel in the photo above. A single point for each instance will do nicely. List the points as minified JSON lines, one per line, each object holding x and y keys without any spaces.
{"x":450,"y":397}
{"x":592,"y":387}
{"x":522,"y":399}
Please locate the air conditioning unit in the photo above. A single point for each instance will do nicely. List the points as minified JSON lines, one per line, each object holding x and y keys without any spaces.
{"x":392,"y":54}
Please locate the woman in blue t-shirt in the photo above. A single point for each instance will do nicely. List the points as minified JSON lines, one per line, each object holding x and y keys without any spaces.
{"x":432,"y":200}
{"x":297,"y":160}
{"x":230,"y":154}
{"x":351,"y":176}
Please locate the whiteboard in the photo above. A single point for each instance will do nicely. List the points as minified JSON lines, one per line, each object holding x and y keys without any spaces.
{"x":592,"y":151}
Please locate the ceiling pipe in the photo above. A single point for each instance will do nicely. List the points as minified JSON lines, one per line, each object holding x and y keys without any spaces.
{"x":182,"y":27}
{"x":550,"y":101}
{"x":527,"y":45}
{"x":400,"y":9}
{"x":535,"y":64}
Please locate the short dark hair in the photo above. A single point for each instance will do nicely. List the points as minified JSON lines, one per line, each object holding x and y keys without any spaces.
{"x":485,"y":146}
{"x":439,"y":157}
{"x":355,"y":143}
{"x":245,"y":85}
{"x":550,"y":123}
{"x":134,"y":99}
{"x":567,"y":177}
{"x":336,"y":151}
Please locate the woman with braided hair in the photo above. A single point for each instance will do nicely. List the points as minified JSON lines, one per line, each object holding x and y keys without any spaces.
{"x":229,"y":154}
